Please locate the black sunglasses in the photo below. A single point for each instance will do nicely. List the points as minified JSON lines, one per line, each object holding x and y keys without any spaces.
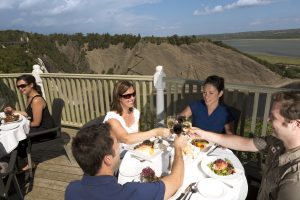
{"x":128,"y":96}
{"x":22,"y":85}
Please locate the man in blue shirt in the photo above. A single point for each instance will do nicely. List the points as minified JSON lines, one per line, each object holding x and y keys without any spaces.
{"x":97,"y":152}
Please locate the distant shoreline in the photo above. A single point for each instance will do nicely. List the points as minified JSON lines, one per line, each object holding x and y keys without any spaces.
{"x":276,"y":47}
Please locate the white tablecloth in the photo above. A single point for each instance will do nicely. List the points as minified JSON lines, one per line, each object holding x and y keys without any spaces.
{"x":12,"y":133}
{"x":193,"y":173}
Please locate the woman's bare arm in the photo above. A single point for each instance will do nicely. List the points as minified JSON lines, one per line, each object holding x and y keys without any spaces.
{"x":37,"y":105}
{"x":132,"y":138}
{"x":187,"y":112}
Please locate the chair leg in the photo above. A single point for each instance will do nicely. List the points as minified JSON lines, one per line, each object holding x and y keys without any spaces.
{"x":29,"y":159}
{"x":69,"y":154}
{"x":30,"y":165}
{"x":17,"y":187}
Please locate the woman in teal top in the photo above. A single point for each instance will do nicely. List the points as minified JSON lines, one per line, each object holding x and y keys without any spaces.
{"x":210,"y":114}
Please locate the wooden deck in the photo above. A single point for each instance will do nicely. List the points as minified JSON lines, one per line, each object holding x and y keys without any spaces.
{"x":53,"y":170}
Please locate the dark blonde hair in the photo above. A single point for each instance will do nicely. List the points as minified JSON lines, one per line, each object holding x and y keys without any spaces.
{"x":120,"y":88}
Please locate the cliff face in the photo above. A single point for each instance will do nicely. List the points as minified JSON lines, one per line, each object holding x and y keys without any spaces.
{"x":195,"y":61}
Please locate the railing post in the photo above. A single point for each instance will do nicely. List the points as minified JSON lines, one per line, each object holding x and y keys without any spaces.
{"x":36,"y":73}
{"x":159,"y":85}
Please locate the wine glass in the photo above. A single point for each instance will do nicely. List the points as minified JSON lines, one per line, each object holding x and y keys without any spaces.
{"x":177,"y":128}
{"x":171,"y":121}
{"x":187,"y":125}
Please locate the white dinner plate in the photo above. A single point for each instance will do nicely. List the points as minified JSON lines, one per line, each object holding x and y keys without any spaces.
{"x":131,"y":168}
{"x":234,"y":161}
{"x":9,"y":126}
{"x":211,"y":188}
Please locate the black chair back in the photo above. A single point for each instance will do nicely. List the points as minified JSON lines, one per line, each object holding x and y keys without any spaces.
{"x":95,"y":121}
{"x":57,"y":107}
{"x":236,"y":117}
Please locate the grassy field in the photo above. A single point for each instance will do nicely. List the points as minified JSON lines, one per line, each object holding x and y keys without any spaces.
{"x":278,"y":59}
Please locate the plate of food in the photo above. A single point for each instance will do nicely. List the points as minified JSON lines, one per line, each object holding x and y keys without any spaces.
{"x":203,"y":145}
{"x":222,"y":167}
{"x":11,"y":118}
{"x":146,"y":150}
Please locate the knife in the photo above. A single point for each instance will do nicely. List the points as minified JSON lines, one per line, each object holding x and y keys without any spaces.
{"x":186,"y":191}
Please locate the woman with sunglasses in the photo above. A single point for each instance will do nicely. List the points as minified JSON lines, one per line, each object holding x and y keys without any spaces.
{"x":210,"y":114}
{"x":124,"y":117}
{"x":36,"y":111}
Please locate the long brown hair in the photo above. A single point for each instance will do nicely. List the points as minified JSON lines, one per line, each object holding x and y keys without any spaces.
{"x":120,"y":88}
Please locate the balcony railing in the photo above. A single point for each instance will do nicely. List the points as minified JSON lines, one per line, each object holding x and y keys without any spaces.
{"x":88,"y":96}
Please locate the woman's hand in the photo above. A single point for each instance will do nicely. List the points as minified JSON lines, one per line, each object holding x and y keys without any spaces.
{"x":162,"y":132}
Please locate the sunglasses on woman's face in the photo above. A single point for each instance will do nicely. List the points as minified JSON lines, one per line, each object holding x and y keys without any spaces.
{"x":22,"y":86}
{"x":128,"y":96}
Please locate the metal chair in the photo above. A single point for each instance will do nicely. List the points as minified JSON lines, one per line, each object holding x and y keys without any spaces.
{"x":57,"y":107}
{"x":10,"y":176}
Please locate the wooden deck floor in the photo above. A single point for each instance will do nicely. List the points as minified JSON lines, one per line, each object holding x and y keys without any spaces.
{"x":53,"y":172}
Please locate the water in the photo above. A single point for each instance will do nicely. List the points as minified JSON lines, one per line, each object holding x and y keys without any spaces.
{"x":279,"y":47}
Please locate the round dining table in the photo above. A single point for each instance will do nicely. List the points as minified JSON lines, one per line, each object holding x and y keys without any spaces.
{"x":209,"y":186}
{"x":11,"y":133}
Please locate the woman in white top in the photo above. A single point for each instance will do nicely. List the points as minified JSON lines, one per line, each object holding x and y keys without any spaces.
{"x":124,"y":118}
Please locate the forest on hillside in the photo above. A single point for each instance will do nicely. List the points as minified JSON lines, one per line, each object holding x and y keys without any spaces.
{"x":19,"y":50}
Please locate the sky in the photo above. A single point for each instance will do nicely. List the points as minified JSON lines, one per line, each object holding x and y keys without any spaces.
{"x":148,"y":17}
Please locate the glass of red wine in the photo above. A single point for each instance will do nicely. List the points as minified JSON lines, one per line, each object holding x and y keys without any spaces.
{"x":177,"y":128}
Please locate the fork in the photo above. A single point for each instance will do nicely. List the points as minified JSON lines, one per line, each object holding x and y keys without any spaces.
{"x":194,"y":189}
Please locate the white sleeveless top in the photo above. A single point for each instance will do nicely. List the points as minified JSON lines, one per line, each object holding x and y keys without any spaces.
{"x":132,"y":129}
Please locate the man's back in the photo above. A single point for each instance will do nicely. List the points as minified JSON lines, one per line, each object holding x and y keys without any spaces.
{"x":106,"y":187}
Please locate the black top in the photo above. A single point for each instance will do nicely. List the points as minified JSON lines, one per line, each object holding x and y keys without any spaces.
{"x":46,"y":122}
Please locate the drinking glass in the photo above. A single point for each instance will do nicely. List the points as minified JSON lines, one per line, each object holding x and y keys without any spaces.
{"x":177,"y":128}
{"x":170,"y":121}
{"x":187,"y":125}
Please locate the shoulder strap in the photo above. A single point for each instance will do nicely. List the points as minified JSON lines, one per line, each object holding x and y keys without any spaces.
{"x":34,"y":97}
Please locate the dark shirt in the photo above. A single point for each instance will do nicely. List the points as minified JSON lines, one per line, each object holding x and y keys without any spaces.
{"x":281,"y":175}
{"x":46,"y":122}
{"x":214,"y":122}
{"x":107,"y":188}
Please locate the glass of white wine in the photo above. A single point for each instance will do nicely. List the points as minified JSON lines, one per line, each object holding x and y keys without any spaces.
{"x":187,"y":125}
{"x":171,"y":121}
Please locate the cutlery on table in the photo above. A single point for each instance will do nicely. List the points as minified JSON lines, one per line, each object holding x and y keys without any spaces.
{"x":138,"y":158}
{"x":208,"y":153}
{"x":194,"y":189}
{"x":186,"y":191}
{"x":227,"y":184}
